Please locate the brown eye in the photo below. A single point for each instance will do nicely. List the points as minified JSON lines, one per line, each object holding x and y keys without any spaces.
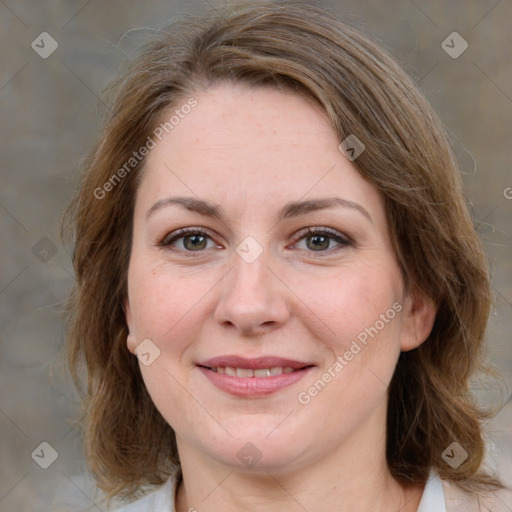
{"x":318,"y":242}
{"x":322,"y":240}
{"x":188,"y":240}
{"x":195,"y":242}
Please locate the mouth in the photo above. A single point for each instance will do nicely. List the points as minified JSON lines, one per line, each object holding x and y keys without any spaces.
{"x":252,"y":378}
{"x":246,"y":373}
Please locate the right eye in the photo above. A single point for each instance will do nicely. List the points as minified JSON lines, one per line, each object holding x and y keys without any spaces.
{"x":188,"y":240}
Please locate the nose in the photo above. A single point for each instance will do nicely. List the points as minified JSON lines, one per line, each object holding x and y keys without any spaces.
{"x":252,"y":298}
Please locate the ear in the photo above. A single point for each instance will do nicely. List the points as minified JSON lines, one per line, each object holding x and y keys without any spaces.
{"x":418,"y":320}
{"x":131,"y":340}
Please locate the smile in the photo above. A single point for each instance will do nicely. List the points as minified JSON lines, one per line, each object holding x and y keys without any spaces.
{"x":248,"y":372}
{"x":253,"y":378}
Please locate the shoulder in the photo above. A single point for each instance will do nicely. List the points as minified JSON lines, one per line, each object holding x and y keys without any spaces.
{"x":79,"y":494}
{"x":160,"y":500}
{"x":498,"y":463}
{"x":457,"y":500}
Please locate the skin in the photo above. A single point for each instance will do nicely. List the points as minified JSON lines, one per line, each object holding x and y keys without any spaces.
{"x":251,"y":151}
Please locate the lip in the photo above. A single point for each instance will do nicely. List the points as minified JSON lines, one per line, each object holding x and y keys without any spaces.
{"x":253,"y":363}
{"x":253,"y":387}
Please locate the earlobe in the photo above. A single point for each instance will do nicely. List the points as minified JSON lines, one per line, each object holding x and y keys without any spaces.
{"x":131,"y":340}
{"x":420,"y":314}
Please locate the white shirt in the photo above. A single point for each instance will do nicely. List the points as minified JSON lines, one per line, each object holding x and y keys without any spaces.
{"x":438,"y":495}
{"x":432,"y":499}
{"x":162,"y":499}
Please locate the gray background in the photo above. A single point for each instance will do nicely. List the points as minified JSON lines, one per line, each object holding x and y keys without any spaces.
{"x":50,"y":118}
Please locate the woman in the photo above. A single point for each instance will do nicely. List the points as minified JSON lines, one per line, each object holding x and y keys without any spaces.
{"x":280,"y":295}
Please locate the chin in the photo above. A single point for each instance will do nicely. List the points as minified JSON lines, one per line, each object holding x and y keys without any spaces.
{"x":258,"y":445}
{"x":258,"y":456}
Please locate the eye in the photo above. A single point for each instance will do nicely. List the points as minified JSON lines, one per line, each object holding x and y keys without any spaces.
{"x":321,"y":240}
{"x":189,"y":240}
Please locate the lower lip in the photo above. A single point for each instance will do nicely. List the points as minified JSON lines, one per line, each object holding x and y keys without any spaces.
{"x":253,"y":387}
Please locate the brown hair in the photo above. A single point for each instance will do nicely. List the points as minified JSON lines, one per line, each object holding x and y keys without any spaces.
{"x":408,"y":158}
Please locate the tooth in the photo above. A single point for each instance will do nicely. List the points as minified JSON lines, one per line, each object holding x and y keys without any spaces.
{"x":263,"y":372}
{"x":220,"y":369}
{"x":276,"y":370}
{"x":230,"y":371}
{"x":244,"y":372}
{"x":288,"y":369}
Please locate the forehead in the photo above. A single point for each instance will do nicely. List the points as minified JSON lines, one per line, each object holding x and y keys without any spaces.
{"x":235,"y":120}
{"x":242,"y":141}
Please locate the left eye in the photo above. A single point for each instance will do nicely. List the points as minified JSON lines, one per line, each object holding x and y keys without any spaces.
{"x":321,"y":240}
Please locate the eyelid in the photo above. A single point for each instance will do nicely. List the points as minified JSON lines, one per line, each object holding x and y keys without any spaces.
{"x":169,"y":238}
{"x":342,"y":239}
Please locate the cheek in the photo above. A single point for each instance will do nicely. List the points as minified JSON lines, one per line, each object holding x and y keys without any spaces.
{"x":362,"y":309}
{"x":165,"y":301}
{"x":353,"y":301}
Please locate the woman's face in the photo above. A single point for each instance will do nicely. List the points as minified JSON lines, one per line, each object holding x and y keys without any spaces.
{"x":262,"y":284}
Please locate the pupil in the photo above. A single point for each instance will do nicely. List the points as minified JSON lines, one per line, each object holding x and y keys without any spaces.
{"x":195,"y":242}
{"x":319,"y":242}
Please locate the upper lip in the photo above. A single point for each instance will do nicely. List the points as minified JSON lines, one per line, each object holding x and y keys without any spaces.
{"x":253,"y":363}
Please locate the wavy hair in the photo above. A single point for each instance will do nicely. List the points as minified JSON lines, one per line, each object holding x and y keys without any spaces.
{"x":408,"y":158}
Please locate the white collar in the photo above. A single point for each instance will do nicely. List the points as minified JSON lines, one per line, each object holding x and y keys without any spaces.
{"x":432,"y":499}
{"x":163,"y":499}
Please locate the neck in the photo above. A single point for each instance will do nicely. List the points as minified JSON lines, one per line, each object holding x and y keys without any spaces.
{"x":351,"y":476}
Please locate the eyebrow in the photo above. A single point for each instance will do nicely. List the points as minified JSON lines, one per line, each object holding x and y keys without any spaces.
{"x":290,"y":209}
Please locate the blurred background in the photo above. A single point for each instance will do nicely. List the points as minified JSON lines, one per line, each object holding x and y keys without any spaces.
{"x":57,"y":57}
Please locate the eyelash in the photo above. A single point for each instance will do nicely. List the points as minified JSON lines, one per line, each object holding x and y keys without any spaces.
{"x":342,"y":240}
